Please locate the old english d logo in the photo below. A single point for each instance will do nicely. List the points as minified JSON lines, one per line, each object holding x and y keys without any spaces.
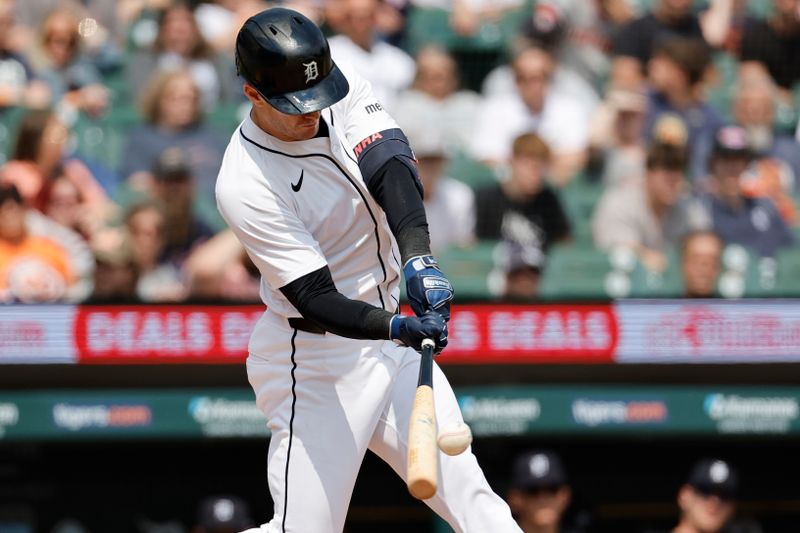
{"x":296,"y":186}
{"x":311,"y":71}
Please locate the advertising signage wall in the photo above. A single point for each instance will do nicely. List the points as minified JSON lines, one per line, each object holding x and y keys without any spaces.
{"x":708,"y":332}
{"x":677,"y":331}
{"x":490,"y":411}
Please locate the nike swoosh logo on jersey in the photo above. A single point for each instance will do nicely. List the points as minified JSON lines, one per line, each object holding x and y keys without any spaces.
{"x":296,"y":186}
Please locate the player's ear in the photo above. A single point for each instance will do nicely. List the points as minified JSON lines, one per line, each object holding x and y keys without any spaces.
{"x":564,"y":497}
{"x":516,"y":501}
{"x":684,"y":496}
{"x":253,"y":95}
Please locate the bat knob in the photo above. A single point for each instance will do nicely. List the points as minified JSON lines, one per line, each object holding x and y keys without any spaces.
{"x":422,"y":489}
{"x":428,"y":343}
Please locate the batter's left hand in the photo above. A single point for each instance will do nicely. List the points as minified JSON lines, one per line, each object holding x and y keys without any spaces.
{"x":427,"y":287}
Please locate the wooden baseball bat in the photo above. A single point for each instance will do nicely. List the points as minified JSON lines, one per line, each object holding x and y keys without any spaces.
{"x":423,"y":455}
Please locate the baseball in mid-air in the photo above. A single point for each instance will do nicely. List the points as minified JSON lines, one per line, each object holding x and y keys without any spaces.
{"x":455,"y":438}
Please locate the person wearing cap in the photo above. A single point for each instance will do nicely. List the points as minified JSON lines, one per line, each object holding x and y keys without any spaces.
{"x":539,"y":494}
{"x":707,"y":500}
{"x":174,"y":189}
{"x":517,"y":270}
{"x":320,"y":184}
{"x":752,"y":222}
{"x":223,"y":514}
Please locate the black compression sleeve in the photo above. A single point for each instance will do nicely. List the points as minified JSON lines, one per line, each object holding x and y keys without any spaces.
{"x":317,"y":299}
{"x":394,"y":188}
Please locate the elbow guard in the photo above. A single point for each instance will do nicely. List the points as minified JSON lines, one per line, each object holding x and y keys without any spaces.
{"x":379,"y":148}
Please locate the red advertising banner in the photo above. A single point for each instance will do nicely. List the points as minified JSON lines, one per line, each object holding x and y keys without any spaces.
{"x":666,"y":331}
{"x":532,"y":334}
{"x":169,"y":334}
{"x":478,"y":334}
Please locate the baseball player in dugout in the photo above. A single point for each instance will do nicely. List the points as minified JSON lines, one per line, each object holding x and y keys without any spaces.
{"x":707,"y":501}
{"x":708,"y":498}
{"x":540,"y":494}
{"x":321,"y":187}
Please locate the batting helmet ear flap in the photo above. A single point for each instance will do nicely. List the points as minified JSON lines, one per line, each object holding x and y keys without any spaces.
{"x":287,"y":59}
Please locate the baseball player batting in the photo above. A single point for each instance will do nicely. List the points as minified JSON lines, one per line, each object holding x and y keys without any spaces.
{"x":320,"y":186}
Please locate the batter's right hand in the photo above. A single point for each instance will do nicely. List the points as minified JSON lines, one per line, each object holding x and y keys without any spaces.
{"x":412,"y":330}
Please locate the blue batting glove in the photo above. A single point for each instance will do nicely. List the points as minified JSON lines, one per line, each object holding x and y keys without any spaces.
{"x":426,"y":286}
{"x":411,"y":330}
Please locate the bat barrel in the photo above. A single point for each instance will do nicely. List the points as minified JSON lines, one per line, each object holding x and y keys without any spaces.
{"x":423,"y":455}
{"x":422,"y":452}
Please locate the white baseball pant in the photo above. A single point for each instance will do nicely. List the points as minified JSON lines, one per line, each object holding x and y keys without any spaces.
{"x":327,"y":399}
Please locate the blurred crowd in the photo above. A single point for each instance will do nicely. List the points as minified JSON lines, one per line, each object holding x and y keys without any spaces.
{"x":676,"y":119}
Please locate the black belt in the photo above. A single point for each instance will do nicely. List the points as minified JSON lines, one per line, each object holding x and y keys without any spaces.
{"x":303,"y":324}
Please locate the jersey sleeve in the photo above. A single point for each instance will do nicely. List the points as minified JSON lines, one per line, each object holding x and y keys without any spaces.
{"x":362,"y":113}
{"x":275,"y":238}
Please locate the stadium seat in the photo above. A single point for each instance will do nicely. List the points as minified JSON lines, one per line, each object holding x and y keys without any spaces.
{"x":646,"y":283}
{"x":9,"y":118}
{"x":103,"y":140}
{"x":225,"y":118}
{"x":788,"y":281}
{"x":575,"y":271}
{"x":746,"y":274}
{"x":477,"y":54}
{"x":721,"y":95}
{"x":475,"y":174}
{"x":579,"y":198}
{"x":468,"y":269}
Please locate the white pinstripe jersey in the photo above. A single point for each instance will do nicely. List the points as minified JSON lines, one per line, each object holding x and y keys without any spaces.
{"x":291,"y":227}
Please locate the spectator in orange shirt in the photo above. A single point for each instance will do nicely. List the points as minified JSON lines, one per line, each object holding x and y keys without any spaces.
{"x":32,"y":268}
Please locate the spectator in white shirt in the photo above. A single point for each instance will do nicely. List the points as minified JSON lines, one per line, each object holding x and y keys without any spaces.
{"x":436,"y":103}
{"x":389,"y":69}
{"x":560,"y":120}
{"x":449,"y":203}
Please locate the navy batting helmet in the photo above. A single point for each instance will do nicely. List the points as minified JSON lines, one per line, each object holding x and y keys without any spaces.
{"x":286,"y":58}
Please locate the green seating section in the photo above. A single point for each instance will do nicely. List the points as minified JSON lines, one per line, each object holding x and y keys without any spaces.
{"x":575,"y":271}
{"x":468,"y":269}
{"x":476,"y":54}
{"x":579,"y":198}
{"x":469,"y":171}
{"x":788,"y":281}
{"x":103,"y":140}
{"x":9,"y":118}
